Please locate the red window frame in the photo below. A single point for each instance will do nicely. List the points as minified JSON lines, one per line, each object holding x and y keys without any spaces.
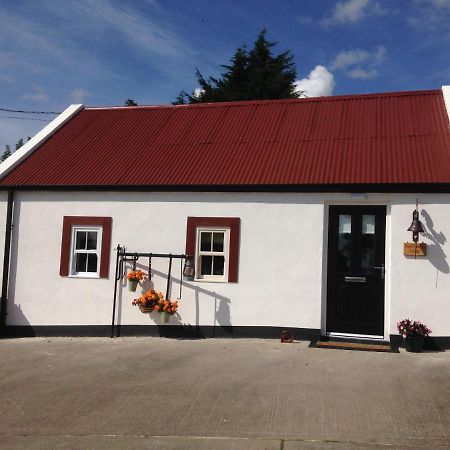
{"x":233,"y":223}
{"x":68,"y":223}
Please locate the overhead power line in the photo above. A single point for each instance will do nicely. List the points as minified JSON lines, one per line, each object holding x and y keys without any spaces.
{"x":25,"y":118}
{"x":28,"y":112}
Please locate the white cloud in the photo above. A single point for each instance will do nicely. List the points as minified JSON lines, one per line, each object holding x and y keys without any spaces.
{"x":428,"y":14}
{"x":353,"y":11}
{"x":348,"y":58}
{"x":37,"y":95}
{"x":359,"y":63}
{"x":198,"y":91}
{"x":141,"y":32}
{"x":320,"y":82}
{"x":439,"y":3}
{"x":79,"y":95}
{"x":60,"y":48}
{"x":363,"y":74}
{"x":305,"y":20}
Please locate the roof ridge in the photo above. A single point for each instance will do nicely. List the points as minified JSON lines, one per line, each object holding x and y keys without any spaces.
{"x":274,"y":101}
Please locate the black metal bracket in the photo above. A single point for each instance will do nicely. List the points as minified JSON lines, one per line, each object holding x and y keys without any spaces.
{"x":122,"y":258}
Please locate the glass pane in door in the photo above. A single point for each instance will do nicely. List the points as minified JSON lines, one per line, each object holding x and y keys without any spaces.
{"x":367,"y":242}
{"x":344,"y":243}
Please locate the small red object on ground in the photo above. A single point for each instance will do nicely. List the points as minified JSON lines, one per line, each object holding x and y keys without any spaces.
{"x":284,"y":338}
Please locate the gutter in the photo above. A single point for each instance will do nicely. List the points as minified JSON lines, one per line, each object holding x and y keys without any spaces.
{"x":6,"y":261}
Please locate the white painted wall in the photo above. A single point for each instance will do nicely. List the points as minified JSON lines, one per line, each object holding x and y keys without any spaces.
{"x":281,"y":258}
{"x":3,"y":205}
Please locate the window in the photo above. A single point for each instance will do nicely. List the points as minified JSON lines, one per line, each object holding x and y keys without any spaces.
{"x":212,"y":252}
{"x":85,"y":255}
{"x":85,"y":246}
{"x":214,"y":243}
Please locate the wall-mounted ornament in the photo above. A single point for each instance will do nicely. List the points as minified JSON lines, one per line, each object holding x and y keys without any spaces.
{"x":415,"y":248}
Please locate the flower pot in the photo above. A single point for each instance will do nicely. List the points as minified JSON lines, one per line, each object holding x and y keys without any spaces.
{"x":133,"y":284}
{"x":164,"y":317}
{"x":145,"y":309}
{"x":414,"y":344}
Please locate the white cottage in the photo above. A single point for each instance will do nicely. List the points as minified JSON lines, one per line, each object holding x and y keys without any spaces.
{"x":295,"y":213}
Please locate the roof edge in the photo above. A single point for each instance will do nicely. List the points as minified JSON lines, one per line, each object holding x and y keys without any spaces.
{"x":419,"y":187}
{"x":284,"y":100}
{"x":38,"y":139}
{"x":446,"y":95}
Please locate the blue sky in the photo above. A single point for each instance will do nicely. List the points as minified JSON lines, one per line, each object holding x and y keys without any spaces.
{"x":100,"y":52}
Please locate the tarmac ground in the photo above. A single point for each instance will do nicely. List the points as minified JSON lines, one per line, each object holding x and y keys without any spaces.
{"x":156,"y":393}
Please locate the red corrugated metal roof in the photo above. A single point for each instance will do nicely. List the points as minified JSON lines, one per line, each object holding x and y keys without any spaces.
{"x":378,"y":138}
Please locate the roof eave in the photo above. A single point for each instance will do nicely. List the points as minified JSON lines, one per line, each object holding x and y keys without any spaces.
{"x":323,"y":188}
{"x":36,"y":141}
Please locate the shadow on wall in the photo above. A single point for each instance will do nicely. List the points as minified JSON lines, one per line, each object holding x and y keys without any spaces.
{"x":435,"y":252}
{"x":16,"y":315}
{"x":221,"y":316}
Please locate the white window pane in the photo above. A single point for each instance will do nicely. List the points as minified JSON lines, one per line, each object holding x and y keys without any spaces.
{"x":345,"y":223}
{"x":368,"y":224}
{"x":92,"y":240}
{"x":205,"y":241}
{"x":218,"y":241}
{"x":80,"y":240}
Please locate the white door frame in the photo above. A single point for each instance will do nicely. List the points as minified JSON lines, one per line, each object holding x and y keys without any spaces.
{"x":387,"y":280}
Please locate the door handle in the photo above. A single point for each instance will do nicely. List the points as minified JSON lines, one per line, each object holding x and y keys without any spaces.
{"x":383,"y":270}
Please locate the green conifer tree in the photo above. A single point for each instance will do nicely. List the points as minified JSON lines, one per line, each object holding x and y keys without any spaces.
{"x":251,"y":75}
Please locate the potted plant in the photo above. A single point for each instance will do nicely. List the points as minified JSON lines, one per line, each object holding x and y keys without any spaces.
{"x":133,"y":279}
{"x":413,"y":333}
{"x":147,"y":301}
{"x":154,"y":301}
{"x":167,"y":308}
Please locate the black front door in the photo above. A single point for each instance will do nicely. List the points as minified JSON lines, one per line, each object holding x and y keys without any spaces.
{"x":355,"y":288}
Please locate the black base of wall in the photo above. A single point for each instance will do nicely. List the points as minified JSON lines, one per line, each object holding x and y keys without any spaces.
{"x":436,"y":343}
{"x":191,"y":332}
{"x":169,"y":331}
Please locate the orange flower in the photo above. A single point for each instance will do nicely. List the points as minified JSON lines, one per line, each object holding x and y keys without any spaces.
{"x":157,"y":308}
{"x":136,"y":275}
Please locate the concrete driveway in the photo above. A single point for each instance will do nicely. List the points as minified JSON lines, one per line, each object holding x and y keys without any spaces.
{"x":136,"y":393}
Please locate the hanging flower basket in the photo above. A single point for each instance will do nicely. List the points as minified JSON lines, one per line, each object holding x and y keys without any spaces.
{"x":154,"y":301}
{"x":133,"y":279}
{"x":132,"y":285}
{"x":145,"y":309}
{"x":147,"y":301}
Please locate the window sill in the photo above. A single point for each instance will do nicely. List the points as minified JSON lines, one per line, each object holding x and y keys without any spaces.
{"x":85,"y":276}
{"x":206,"y":280}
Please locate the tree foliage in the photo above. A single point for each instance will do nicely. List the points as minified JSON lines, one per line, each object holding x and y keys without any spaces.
{"x":7,"y":152}
{"x":251,"y":75}
{"x":130,"y":102}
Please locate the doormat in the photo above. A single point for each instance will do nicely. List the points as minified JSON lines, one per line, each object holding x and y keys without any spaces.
{"x":359,"y":346}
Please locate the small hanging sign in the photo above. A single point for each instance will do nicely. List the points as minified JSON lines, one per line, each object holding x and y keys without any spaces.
{"x":414,"y":249}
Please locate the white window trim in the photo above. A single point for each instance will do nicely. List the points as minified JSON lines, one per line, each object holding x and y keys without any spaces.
{"x":226,"y":253}
{"x":98,"y":252}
